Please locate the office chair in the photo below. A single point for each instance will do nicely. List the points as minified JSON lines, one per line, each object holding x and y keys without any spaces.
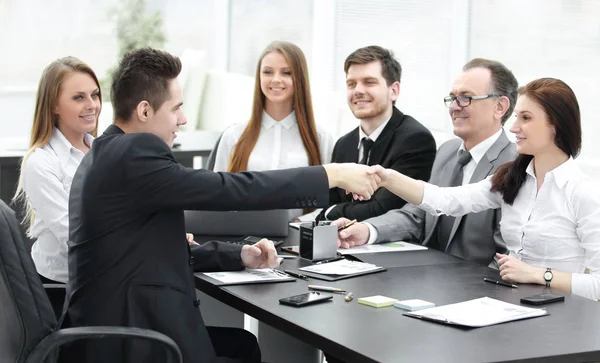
{"x":28,"y":328}
{"x":210,"y":161}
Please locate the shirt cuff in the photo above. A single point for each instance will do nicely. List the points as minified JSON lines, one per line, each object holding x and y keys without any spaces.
{"x":430,"y":195}
{"x":586,"y":285}
{"x":329,"y":210}
{"x":373,"y":234}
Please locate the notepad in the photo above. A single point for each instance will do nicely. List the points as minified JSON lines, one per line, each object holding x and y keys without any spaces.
{"x":413,"y":304}
{"x":377,"y":301}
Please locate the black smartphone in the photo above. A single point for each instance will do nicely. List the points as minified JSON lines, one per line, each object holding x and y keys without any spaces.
{"x":254,"y":239}
{"x":306,"y":299}
{"x":541,"y":299}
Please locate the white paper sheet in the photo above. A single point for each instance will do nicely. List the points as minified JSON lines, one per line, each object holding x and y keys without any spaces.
{"x":248,"y":275}
{"x":478,"y":312}
{"x":398,"y":246}
{"x":341,"y":267}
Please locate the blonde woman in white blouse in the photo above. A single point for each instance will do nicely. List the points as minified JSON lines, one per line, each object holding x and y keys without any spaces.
{"x":550,"y":211}
{"x":65,"y":122}
{"x":282,"y":132}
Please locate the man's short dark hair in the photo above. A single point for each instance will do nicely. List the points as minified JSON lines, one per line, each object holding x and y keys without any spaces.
{"x":142,"y":74}
{"x":503,"y":81}
{"x":390,"y":67}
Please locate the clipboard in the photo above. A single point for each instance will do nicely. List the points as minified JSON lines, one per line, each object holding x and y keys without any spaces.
{"x":325,"y":276}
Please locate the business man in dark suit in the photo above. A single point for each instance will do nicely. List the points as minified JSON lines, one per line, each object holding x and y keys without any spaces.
{"x":482,"y":147}
{"x":385,"y":136}
{"x":129,"y":261}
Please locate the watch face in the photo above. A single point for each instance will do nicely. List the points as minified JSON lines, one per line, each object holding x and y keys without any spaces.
{"x":547,"y":275}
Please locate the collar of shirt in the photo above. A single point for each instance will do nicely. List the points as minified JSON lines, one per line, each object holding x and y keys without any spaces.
{"x":63,"y":147}
{"x":560,"y":174}
{"x":374,"y":135}
{"x":268,"y":122}
{"x":480,"y":149}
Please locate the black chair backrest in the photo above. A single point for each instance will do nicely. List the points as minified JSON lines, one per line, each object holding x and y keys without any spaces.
{"x":25,"y":312}
{"x":210,"y":162}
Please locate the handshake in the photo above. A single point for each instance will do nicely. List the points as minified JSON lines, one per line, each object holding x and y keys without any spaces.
{"x":360,"y":180}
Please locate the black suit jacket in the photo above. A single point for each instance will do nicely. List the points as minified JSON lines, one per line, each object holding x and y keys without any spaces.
{"x":129,"y":261}
{"x":404,"y":145}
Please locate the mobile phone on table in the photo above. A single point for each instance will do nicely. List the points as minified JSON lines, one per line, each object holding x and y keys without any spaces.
{"x":541,"y":299}
{"x":308,"y":298}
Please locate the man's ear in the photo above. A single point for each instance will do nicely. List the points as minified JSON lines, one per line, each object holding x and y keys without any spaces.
{"x":143,"y":111}
{"x":502,"y":105}
{"x":395,"y":87}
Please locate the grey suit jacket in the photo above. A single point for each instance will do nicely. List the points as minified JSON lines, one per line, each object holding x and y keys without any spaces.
{"x":479,"y":237}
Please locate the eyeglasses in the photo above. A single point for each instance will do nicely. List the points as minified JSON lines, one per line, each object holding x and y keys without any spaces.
{"x":464,"y":101}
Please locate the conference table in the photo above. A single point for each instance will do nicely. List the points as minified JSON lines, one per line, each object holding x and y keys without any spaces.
{"x":359,"y":333}
{"x":188,"y":145}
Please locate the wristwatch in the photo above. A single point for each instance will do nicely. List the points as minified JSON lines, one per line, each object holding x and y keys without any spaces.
{"x":548,"y":276}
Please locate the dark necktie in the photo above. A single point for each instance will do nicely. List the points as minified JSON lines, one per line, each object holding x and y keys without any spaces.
{"x":367,"y":144}
{"x":445,"y":223}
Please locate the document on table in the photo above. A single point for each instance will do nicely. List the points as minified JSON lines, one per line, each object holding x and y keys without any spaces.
{"x":249,"y":276}
{"x":341,"y":267}
{"x":398,"y":246}
{"x":477,"y":313}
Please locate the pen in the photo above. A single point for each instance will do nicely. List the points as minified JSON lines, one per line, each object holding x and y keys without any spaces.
{"x":326,"y":288}
{"x":503,"y":283}
{"x":330,"y":260}
{"x":347,"y":225}
{"x":295,"y":274}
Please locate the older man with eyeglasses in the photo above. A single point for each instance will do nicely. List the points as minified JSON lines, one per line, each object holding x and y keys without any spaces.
{"x":482,"y":98}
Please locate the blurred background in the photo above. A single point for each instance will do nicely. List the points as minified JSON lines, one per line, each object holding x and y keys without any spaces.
{"x":220,"y":40}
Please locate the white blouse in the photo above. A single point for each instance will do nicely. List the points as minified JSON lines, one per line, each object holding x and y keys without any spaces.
{"x":557,"y":226}
{"x":279,"y":146}
{"x":47,"y":177}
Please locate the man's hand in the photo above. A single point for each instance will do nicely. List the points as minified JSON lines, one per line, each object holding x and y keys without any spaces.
{"x":190,"y":239}
{"x":361,"y":180}
{"x":355,"y":235}
{"x":262,"y":254}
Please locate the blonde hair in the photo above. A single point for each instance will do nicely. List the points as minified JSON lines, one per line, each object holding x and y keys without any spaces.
{"x":302,"y":105}
{"x":44,"y":118}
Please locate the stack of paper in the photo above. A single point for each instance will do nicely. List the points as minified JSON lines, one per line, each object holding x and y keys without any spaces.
{"x":382,"y":247}
{"x":377,"y":301}
{"x":341,"y":267}
{"x":477,"y":313}
{"x":249,"y":276}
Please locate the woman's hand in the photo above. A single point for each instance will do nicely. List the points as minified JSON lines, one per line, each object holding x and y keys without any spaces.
{"x":515,"y":270}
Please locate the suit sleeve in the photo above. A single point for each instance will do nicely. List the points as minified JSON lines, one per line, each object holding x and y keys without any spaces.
{"x":405,"y":224}
{"x":217,"y":256}
{"x":415,"y":159}
{"x":157,"y":182}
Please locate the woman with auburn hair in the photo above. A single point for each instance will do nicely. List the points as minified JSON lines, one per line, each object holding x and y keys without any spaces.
{"x":550,"y":210}
{"x":282,"y":132}
{"x":65,"y":123}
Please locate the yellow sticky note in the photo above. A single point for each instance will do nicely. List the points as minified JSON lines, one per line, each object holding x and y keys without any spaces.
{"x":377,"y":301}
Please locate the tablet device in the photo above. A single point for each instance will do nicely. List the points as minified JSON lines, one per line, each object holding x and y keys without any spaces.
{"x":541,"y":299}
{"x":308,"y":298}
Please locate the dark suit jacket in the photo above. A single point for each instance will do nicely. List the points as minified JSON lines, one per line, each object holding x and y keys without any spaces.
{"x":129,"y":261}
{"x":404,"y":145}
{"x":476,"y":236}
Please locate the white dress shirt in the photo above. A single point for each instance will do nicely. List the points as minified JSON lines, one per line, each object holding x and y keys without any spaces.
{"x":47,"y":177}
{"x":279,"y":146}
{"x":477,"y":153}
{"x":557,"y":226}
